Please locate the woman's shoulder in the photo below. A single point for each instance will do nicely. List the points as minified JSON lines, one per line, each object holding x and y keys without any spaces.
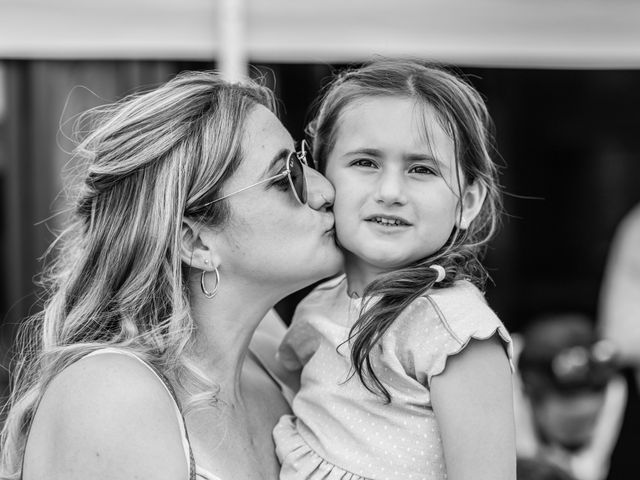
{"x":106,"y":413}
{"x":106,"y":375}
{"x":109,"y":374}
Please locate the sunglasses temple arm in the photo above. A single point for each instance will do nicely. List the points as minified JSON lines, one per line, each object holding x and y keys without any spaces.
{"x":286,"y":172}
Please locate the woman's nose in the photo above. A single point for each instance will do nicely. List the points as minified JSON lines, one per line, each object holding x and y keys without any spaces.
{"x":320,"y":192}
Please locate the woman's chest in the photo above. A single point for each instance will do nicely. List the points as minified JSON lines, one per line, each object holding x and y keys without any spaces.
{"x":233,"y":439}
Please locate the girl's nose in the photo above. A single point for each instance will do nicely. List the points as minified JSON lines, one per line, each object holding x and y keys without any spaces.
{"x":390,"y":189}
{"x":320,"y":192}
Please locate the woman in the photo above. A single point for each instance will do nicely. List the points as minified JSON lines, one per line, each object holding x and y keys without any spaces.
{"x":195,"y":217}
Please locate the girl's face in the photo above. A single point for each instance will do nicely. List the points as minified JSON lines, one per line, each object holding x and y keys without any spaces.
{"x":397,"y":197}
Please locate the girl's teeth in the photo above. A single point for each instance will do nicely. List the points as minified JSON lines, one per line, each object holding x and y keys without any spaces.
{"x":385,"y":221}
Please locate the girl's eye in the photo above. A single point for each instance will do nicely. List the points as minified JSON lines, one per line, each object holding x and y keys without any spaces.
{"x":422,"y":170}
{"x":364,"y":162}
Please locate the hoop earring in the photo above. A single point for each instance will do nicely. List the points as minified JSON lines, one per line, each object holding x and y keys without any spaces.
{"x":207,"y":293}
{"x":440,"y":271}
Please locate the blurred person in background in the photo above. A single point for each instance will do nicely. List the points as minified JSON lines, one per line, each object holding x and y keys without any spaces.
{"x":571,"y":398}
{"x":195,"y":217}
{"x":619,"y":321}
{"x":540,"y":469}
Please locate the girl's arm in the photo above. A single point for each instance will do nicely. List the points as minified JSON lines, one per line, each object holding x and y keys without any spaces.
{"x":473,"y":402}
{"x":105,"y":417}
{"x":272,"y":326}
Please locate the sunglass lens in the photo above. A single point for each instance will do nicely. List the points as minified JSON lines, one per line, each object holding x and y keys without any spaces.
{"x":296,"y":176}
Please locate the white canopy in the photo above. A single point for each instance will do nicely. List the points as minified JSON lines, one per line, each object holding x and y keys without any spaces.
{"x":513,"y":33}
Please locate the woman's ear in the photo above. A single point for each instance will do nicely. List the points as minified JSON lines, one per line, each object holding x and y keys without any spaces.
{"x":472,"y":201}
{"x":196,"y":246}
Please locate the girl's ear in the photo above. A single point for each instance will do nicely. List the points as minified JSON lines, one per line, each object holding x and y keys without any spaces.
{"x":196,"y":246}
{"x":472,"y":200}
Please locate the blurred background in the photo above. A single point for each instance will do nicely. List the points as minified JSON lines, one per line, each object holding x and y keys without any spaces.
{"x":561,"y":79}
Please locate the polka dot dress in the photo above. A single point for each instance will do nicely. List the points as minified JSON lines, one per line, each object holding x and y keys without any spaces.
{"x":340,"y":430}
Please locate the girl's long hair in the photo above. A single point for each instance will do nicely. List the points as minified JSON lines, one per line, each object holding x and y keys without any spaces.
{"x":116,"y":278}
{"x":463,"y":115}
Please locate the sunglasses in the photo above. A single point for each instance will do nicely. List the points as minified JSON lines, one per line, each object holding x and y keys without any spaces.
{"x":579,"y":364}
{"x":294,"y":172}
{"x":572,"y":369}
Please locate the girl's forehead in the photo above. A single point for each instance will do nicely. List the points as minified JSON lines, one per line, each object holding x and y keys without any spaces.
{"x":419,"y":104}
{"x":381,"y":117}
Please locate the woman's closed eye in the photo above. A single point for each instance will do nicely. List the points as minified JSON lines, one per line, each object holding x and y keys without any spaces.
{"x":282,"y":182}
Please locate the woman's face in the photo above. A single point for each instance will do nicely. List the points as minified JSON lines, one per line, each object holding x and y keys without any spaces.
{"x":271,"y":239}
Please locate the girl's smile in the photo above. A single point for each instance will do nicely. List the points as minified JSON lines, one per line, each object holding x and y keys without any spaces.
{"x":387,"y":225}
{"x":388,"y":220}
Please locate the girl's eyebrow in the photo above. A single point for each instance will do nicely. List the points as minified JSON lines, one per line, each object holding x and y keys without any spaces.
{"x":372,"y":152}
{"x":419,"y":157}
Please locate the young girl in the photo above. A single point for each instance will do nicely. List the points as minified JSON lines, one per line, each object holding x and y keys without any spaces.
{"x":405,"y":369}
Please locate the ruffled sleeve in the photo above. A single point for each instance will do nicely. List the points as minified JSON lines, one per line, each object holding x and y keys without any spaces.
{"x":442,"y":324}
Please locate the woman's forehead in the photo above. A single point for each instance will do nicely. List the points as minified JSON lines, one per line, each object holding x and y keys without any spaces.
{"x":264,"y":138}
{"x":261,"y":121}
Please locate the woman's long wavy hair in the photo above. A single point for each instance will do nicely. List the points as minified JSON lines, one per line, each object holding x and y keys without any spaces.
{"x":463,"y":115}
{"x":116,"y":278}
